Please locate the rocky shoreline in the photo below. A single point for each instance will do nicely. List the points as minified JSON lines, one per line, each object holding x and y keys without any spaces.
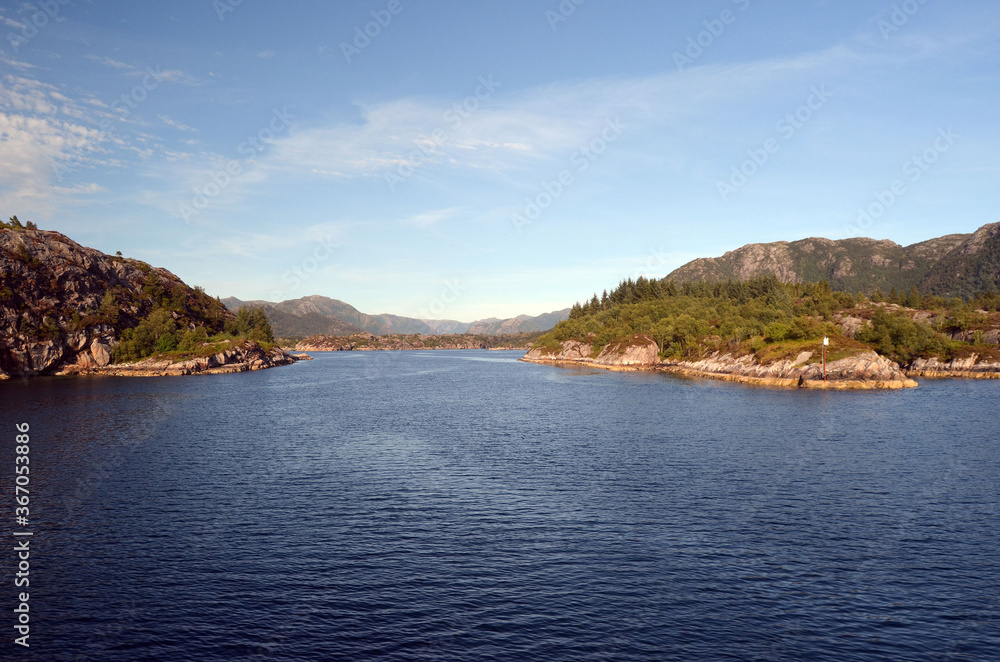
{"x":244,"y":357}
{"x":967,"y":368}
{"x":866,"y":371}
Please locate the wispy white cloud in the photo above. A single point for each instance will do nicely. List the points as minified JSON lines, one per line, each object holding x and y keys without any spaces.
{"x":216,"y":241}
{"x":39,"y":130}
{"x":175,"y":124}
{"x":17,"y":64}
{"x":505,"y":132}
{"x":161,"y":75}
{"x":170,"y":76}
{"x":431,"y":218}
{"x":264,"y":55}
{"x":9,"y":22}
{"x":109,"y":62}
{"x":257,"y":244}
{"x":51,"y":141}
{"x":32,"y":148}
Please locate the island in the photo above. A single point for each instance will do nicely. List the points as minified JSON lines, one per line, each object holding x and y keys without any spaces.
{"x":66,"y":309}
{"x":762,"y":331}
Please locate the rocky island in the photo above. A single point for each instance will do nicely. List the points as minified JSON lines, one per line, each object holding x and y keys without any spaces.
{"x":66,"y":309}
{"x":751,"y":317}
{"x":866,"y":370}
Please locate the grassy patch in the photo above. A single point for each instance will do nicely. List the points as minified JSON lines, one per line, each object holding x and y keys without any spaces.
{"x":962,"y":350}
{"x":841,"y":347}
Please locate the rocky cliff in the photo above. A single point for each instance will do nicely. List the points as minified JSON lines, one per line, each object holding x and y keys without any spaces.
{"x":65,"y":304}
{"x":952,"y":265}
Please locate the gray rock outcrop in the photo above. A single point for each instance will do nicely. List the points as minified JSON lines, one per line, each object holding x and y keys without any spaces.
{"x":969,"y":367}
{"x":633,"y":353}
{"x":65,"y":304}
{"x":243,"y":357}
{"x":866,"y":370}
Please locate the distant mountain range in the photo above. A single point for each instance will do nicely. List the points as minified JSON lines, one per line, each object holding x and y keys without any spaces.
{"x":319,"y":315}
{"x":952,"y":265}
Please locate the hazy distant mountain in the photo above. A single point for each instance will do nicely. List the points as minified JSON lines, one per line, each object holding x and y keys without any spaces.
{"x":519,"y":324}
{"x":318,"y":315}
{"x":953,"y":265}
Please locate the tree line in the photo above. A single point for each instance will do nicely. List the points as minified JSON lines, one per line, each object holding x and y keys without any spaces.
{"x":690,"y":319}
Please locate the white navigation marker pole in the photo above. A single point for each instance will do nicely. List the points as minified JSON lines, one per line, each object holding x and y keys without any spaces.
{"x":826,"y":341}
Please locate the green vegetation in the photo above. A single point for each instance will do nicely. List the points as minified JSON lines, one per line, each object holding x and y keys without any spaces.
{"x":161,"y":332}
{"x":774,"y":320}
{"x":15,"y":224}
{"x":686,"y":320}
{"x":251,"y":323}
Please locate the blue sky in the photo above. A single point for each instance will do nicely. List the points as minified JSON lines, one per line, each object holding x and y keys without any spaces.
{"x":464,"y":160}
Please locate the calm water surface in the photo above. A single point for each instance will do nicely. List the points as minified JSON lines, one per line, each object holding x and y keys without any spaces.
{"x":464,"y":506}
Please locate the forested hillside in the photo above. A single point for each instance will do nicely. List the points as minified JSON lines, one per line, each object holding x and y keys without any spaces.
{"x":771,"y":319}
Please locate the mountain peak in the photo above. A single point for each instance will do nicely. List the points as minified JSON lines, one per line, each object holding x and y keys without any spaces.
{"x":316,"y":314}
{"x":952,"y":265}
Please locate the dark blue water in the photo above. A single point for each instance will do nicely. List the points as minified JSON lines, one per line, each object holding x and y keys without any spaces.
{"x":463,"y":506}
